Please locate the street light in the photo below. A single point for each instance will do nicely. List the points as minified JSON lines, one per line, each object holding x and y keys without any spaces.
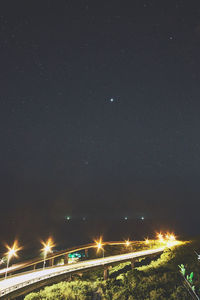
{"x":127,"y":243}
{"x":171,"y":240}
{"x":47,"y":249}
{"x":99,"y":245}
{"x":172,"y":237}
{"x":160,"y":237}
{"x":12,"y":251}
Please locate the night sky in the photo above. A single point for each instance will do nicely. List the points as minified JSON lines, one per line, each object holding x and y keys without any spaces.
{"x":100,"y":116}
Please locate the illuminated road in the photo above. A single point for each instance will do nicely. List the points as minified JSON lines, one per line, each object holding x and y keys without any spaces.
{"x":32,"y":262}
{"x":25,"y":279}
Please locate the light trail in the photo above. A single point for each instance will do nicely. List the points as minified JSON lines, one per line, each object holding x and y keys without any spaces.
{"x":36,"y":261}
{"x":17,"y":282}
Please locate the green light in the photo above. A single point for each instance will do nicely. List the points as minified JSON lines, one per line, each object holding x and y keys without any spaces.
{"x":74,"y":255}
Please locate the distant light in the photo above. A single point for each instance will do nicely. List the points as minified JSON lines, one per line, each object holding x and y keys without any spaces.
{"x":127,"y":243}
{"x":142,"y":218}
{"x":48,"y":245}
{"x":126,"y":218}
{"x":84,"y":218}
{"x":99,"y":243}
{"x":74,"y":255}
{"x":167,"y":236}
{"x":160,"y":237}
{"x":68,"y":218}
{"x":111,"y":100}
{"x":12,"y":251}
{"x":172,"y":237}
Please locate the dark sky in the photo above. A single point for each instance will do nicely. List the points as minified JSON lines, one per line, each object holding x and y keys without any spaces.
{"x":99,"y":112}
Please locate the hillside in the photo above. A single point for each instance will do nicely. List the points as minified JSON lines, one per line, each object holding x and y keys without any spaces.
{"x":158,"y":279}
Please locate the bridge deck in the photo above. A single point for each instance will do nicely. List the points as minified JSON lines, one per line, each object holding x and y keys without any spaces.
{"x":17,"y":282}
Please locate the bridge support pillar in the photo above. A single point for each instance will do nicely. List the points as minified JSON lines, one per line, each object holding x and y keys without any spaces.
{"x":66,"y":259}
{"x":34,"y":267}
{"x":51,"y":262}
{"x":86,"y":253}
{"x":106,"y":273}
{"x":132,"y":263}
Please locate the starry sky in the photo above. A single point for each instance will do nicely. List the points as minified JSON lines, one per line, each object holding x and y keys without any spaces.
{"x":99,"y":113}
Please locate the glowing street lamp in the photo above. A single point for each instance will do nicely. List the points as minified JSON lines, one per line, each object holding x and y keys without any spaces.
{"x":127,"y":243}
{"x":160,"y":237}
{"x":147,"y":241}
{"x":12,"y":251}
{"x":167,"y":236}
{"x":47,"y":249}
{"x":172,"y":237}
{"x":99,"y":246}
{"x":171,"y":240}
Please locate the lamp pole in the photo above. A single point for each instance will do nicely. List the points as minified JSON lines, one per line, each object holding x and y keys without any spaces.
{"x":12,"y":251}
{"x":47,"y":249}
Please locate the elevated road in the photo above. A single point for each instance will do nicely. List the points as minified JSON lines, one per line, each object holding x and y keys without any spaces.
{"x":36,"y":261}
{"x":31,"y":279}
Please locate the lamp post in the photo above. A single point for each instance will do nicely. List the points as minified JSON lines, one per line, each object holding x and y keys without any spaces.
{"x":47,"y":249}
{"x":127,"y":243}
{"x":160,"y":237}
{"x":103,"y":251}
{"x":99,"y":246}
{"x":12,"y":251}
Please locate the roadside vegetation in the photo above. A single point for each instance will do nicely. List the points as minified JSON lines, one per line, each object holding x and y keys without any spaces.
{"x":157,"y":279}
